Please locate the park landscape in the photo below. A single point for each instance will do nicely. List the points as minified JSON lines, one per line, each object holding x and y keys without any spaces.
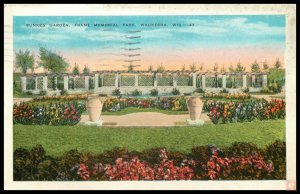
{"x":148,"y":130}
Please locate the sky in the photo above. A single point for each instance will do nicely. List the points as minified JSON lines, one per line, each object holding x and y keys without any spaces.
{"x":205,"y":39}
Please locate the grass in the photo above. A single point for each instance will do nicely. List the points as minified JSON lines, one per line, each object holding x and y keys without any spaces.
{"x":57,"y":140}
{"x":135,"y":109}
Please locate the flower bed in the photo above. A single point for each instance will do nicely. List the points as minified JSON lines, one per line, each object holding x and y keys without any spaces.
{"x":164,"y":103}
{"x":241,"y":161}
{"x":67,"y":113}
{"x":224,"y":112}
{"x":236,"y":96}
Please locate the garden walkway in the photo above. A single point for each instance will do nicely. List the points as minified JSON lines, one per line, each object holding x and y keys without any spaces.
{"x":145,"y":119}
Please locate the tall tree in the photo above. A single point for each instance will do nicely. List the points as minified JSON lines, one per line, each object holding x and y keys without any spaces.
{"x":216,"y":67}
{"x":183,"y":68}
{"x":255,"y":68}
{"x":160,"y":68}
{"x":201,"y":68}
{"x":75,"y":70}
{"x":150,"y":68}
{"x":193,"y":67}
{"x":277,"y":64}
{"x":223,"y":70}
{"x":52,"y":61}
{"x":25,"y":61}
{"x":231,"y":69}
{"x":86,"y":70}
{"x":265,"y":66}
{"x":240,"y":68}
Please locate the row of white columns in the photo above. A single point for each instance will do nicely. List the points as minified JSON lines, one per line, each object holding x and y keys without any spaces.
{"x":96,"y":81}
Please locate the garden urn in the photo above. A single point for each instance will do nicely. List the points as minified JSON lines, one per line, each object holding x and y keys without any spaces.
{"x":94,"y":106}
{"x":194,"y":105}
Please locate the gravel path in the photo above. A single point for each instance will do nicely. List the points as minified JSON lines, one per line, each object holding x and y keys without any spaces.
{"x":145,"y":119}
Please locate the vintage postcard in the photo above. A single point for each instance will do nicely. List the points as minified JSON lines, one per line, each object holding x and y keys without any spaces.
{"x":150,"y":97}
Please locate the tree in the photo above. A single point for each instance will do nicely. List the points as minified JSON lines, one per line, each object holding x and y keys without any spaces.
{"x":150,"y":68}
{"x":265,"y":66}
{"x":216,"y":67}
{"x":193,"y":67}
{"x":52,"y":61}
{"x":160,"y":69}
{"x":75,"y":70}
{"x":255,"y":68}
{"x":240,"y":68}
{"x":201,"y":68}
{"x":86,"y":70}
{"x":223,"y":70}
{"x":231,"y":69}
{"x":25,"y":61}
{"x":277,"y":64}
{"x":183,"y":68}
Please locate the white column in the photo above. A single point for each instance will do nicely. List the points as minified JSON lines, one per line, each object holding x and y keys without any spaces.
{"x":203,"y":82}
{"x":155,"y":80}
{"x":55,"y":81}
{"x":45,"y":82}
{"x":244,"y":81}
{"x":194,"y":80}
{"x":86,"y":79}
{"x":224,"y":81}
{"x":23,"y":83}
{"x":264,"y":80}
{"x":136,"y":80}
{"x":66,"y":82}
{"x":36,"y":78}
{"x":253,"y":80}
{"x":174,"y":80}
{"x":117,"y":80}
{"x":96,"y":80}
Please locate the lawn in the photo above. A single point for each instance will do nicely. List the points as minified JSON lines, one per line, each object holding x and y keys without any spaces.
{"x":135,"y":109}
{"x":57,"y":140}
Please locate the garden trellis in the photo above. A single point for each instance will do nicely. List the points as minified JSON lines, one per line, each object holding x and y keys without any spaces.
{"x":144,"y":81}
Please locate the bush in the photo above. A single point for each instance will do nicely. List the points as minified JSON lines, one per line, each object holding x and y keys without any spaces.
{"x":29,"y":93}
{"x":60,"y":85}
{"x":246,"y":90}
{"x":241,"y":161}
{"x":43,"y":92}
{"x":136,"y":92}
{"x":199,"y":90}
{"x":64,"y":92}
{"x":224,"y":91}
{"x":175,"y":91}
{"x":154,"y":92}
{"x":116,"y":92}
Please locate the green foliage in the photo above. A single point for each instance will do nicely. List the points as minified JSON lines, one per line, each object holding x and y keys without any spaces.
{"x":224,"y":91}
{"x":199,"y":90}
{"x":24,"y":60}
{"x":277,"y":64}
{"x":239,"y":68}
{"x":150,"y":69}
{"x":86,"y":70}
{"x":265,"y":66}
{"x":154,"y":92}
{"x":160,"y":69}
{"x":52,"y":61}
{"x":246,"y":90}
{"x":75,"y":70}
{"x":193,"y":67}
{"x":255,"y":68}
{"x":136,"y":92}
{"x":43,"y":92}
{"x":231,"y":69}
{"x":276,"y":75}
{"x":116,"y":92}
{"x":175,"y":91}
{"x":35,"y":165}
{"x":64,"y":92}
